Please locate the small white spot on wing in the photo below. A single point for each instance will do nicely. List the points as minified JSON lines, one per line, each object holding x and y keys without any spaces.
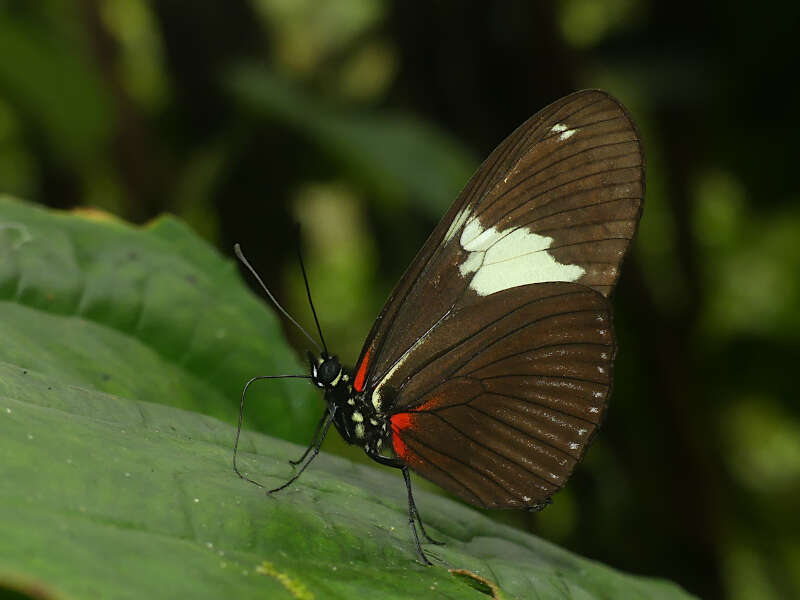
{"x":357,"y":417}
{"x":360,"y":430}
{"x":565,"y":131}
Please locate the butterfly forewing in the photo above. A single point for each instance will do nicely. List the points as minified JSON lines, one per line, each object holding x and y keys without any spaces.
{"x":494,"y":351}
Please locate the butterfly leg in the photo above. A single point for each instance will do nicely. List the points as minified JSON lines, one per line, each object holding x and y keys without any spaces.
{"x":321,"y":438}
{"x":412,"y":506}
{"x":413,"y":513}
{"x":313,"y":440}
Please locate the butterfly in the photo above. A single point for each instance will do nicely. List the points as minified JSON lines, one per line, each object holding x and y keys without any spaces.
{"x":489,"y":368}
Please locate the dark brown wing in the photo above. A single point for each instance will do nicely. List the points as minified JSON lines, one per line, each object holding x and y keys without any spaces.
{"x":508,"y":394}
{"x":558,"y":200}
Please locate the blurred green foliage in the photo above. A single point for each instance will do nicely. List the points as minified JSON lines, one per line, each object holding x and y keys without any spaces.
{"x":361,"y":119}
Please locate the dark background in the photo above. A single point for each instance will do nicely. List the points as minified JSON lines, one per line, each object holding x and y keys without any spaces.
{"x":361,"y":119}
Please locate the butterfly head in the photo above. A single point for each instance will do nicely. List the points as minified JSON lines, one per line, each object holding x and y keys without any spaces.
{"x":326,"y":371}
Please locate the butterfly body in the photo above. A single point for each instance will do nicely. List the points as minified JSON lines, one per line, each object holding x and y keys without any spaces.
{"x":356,"y":419}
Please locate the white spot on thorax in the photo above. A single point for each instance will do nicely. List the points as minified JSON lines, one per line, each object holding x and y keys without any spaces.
{"x":358,"y":417}
{"x":360,"y":430}
{"x":505,"y":259}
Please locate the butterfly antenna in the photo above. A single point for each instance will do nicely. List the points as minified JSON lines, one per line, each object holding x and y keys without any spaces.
{"x":238,"y":250}
{"x":308,"y":293}
{"x":241,"y":416}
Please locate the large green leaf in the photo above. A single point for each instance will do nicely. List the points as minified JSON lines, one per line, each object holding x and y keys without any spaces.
{"x":107,"y":495}
{"x":152,"y":314}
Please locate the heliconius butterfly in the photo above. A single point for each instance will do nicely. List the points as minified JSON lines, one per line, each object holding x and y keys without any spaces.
{"x":488,"y":370}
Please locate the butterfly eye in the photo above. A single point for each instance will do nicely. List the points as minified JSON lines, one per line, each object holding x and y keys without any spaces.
{"x":328,"y":371}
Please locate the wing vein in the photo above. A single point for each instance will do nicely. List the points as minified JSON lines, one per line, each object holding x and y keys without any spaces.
{"x":467,"y":338}
{"x":544,"y":406}
{"x":525,"y":433}
{"x":534,"y":348}
{"x":493,"y":451}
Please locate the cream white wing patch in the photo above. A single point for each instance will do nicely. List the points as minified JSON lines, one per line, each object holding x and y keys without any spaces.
{"x":505,"y":259}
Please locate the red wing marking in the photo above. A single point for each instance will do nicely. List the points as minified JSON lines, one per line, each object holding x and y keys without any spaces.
{"x":399,"y":422}
{"x":406,"y":420}
{"x":361,"y":373}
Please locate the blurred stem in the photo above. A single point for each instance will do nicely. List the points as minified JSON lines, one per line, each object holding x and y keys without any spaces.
{"x":133,"y":153}
{"x":692,"y":489}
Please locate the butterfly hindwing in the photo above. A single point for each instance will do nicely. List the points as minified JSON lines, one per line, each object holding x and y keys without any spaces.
{"x":505,"y":401}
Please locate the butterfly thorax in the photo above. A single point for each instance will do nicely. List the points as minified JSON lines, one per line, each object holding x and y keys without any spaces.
{"x":356,"y":419}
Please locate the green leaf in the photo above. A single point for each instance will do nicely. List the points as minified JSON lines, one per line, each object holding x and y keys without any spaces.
{"x":397,"y":155}
{"x":106,"y":494}
{"x":152,"y":314}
